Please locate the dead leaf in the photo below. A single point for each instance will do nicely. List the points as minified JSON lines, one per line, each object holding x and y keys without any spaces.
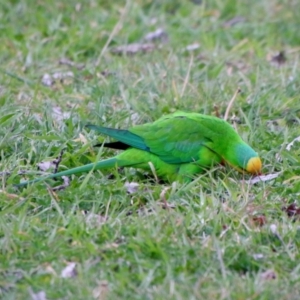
{"x":100,"y":292}
{"x":69,"y":271}
{"x":268,"y":275}
{"x":292,"y":210}
{"x":277,"y":59}
{"x":68,"y":62}
{"x":259,"y":220}
{"x":62,"y":75}
{"x":291,"y":144}
{"x":45,"y":165}
{"x":93,"y":219}
{"x":273,"y":228}
{"x":193,"y":47}
{"x":158,"y":34}
{"x":6,"y":173}
{"x":131,"y":187}
{"x":63,"y":186}
{"x":41,"y":295}
{"x":49,"y":80}
{"x":58,"y":115}
{"x":262,"y":178}
{"x":134,"y":48}
{"x":258,"y":256}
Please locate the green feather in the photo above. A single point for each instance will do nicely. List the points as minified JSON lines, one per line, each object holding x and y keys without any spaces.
{"x":178,"y":146}
{"x":124,"y":136}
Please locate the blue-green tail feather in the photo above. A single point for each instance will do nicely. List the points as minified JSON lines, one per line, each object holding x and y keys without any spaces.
{"x":123,"y":136}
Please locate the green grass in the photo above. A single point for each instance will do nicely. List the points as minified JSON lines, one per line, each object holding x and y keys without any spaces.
{"x":209,"y":246}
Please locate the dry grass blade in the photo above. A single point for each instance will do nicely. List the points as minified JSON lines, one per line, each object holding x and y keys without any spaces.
{"x":291,"y":144}
{"x":162,"y":198}
{"x":131,"y":187}
{"x":114,"y":32}
{"x":231,"y":103}
{"x":186,"y":80}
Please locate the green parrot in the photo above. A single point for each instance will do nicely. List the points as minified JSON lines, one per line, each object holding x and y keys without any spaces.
{"x":178,"y":146}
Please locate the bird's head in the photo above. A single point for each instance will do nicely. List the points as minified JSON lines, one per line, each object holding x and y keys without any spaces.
{"x":245,"y":159}
{"x":254,"y":165}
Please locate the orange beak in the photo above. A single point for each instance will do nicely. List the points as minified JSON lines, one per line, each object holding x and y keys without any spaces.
{"x":254,"y":166}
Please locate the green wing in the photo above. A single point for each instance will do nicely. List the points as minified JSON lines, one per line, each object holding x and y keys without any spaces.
{"x":177,"y":138}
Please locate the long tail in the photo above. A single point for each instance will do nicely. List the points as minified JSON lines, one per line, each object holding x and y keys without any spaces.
{"x":108,"y":163}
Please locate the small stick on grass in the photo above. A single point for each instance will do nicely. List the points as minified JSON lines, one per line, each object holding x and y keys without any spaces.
{"x":231,"y":103}
{"x":66,"y":179}
{"x":57,"y":161}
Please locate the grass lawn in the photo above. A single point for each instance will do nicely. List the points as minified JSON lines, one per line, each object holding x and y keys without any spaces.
{"x":65,"y":64}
